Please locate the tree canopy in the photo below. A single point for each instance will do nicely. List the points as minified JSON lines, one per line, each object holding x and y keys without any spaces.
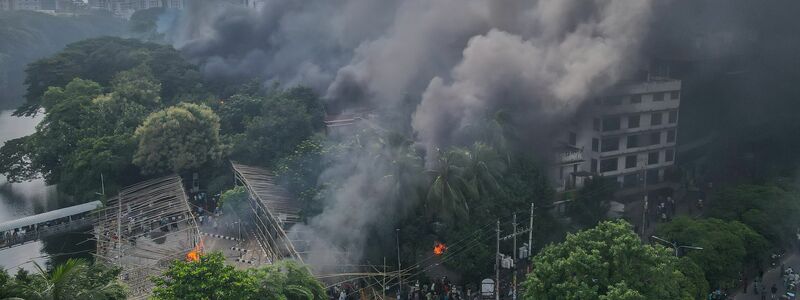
{"x":210,"y":278}
{"x":267,"y":128}
{"x":178,"y":138}
{"x":26,"y":36}
{"x":74,"y":279}
{"x":606,"y":262}
{"x":728,"y":247}
{"x":772,"y":210}
{"x":100,"y":59}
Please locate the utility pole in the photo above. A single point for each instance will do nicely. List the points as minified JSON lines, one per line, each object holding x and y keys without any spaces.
{"x":384,"y":278}
{"x":399,"y":275}
{"x":645,"y":204}
{"x":514,"y":258}
{"x":119,"y":228}
{"x":102,"y":186}
{"x":530,"y":234}
{"x":497,"y":265}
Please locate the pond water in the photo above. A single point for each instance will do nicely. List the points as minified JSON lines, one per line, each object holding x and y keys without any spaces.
{"x":18,"y":200}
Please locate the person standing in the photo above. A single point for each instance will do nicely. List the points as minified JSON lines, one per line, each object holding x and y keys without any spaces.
{"x":773,"y":290}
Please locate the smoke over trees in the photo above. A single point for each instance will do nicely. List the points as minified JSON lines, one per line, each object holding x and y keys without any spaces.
{"x":441,"y":68}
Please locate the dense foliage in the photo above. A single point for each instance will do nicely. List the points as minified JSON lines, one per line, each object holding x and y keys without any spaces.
{"x":591,"y":201}
{"x":728,"y":247}
{"x":608,"y":262}
{"x":27,"y":36}
{"x":210,"y":278}
{"x":101,"y":59}
{"x":265,"y":128}
{"x":74,"y":279}
{"x":88,"y":131}
{"x":772,"y":210}
{"x":178,"y":138}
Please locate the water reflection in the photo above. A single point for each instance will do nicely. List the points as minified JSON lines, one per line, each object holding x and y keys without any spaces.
{"x":18,"y":200}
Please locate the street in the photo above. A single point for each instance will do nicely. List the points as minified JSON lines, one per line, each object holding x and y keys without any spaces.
{"x":771,"y":276}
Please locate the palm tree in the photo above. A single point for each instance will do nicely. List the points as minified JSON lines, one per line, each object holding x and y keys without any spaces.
{"x":486,"y":166}
{"x":74,"y":279}
{"x":451,"y":188}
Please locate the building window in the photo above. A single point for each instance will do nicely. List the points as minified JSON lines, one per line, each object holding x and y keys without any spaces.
{"x":652,"y":158}
{"x":633,"y":141}
{"x":655,"y":119}
{"x":669,"y":155}
{"x":608,"y":165}
{"x":609,"y":144}
{"x":630,"y":161}
{"x":595,"y":144}
{"x":675,"y":95}
{"x":673,"y":116}
{"x":596,"y":124}
{"x":613,"y":100}
{"x":573,"y":138}
{"x":671,"y":136}
{"x":652,"y":176}
{"x":635,"y":99}
{"x":658,"y":97}
{"x":630,"y":180}
{"x":611,"y":123}
{"x":594,"y":165}
{"x":633,"y":121}
{"x":655,"y":138}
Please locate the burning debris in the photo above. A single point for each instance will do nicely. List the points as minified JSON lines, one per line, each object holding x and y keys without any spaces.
{"x":196,"y":252}
{"x":439,"y":248}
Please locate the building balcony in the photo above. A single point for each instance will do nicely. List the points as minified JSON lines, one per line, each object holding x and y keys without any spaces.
{"x":569,"y":155}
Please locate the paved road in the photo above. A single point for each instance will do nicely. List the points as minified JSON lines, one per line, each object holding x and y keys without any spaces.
{"x":771,"y":277}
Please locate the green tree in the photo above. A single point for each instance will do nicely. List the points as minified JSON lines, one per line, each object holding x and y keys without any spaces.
{"x":101,"y":59}
{"x":85,"y":134}
{"x":771,"y":210}
{"x":178,"y":138}
{"x":283,"y":120}
{"x":728,"y":247}
{"x":208,"y":278}
{"x":449,"y":193}
{"x":144,"y":23}
{"x":591,"y":202}
{"x":287,"y":280}
{"x":605,"y":262}
{"x":26,"y":36}
{"x":74,"y":279}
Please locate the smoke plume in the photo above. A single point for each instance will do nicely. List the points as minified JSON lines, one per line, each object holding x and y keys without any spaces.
{"x":461,"y":60}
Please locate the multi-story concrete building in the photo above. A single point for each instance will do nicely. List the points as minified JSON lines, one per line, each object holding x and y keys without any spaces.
{"x":7,"y":5}
{"x":26,"y":4}
{"x":630,"y":136}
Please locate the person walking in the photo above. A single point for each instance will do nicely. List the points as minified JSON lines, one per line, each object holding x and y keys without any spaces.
{"x":773,"y":290}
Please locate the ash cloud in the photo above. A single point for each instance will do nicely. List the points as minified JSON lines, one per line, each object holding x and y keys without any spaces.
{"x":460,"y":60}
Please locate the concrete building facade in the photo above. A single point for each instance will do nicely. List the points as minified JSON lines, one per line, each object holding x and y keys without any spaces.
{"x":630,"y":136}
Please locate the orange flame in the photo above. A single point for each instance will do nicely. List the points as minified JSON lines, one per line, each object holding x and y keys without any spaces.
{"x":194,"y":255}
{"x":439,"y":248}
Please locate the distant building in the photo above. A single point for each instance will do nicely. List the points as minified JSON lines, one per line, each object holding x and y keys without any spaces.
{"x":26,"y":5}
{"x":629,"y":136}
{"x":7,"y":5}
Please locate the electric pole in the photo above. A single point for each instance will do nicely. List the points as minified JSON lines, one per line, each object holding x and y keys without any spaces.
{"x":514,"y":258}
{"x":384,"y":278}
{"x":645,"y":204}
{"x":497,"y":265}
{"x":530,"y":234}
{"x":399,"y":276}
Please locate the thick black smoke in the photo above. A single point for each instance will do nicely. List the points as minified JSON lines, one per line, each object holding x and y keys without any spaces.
{"x":462,"y":60}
